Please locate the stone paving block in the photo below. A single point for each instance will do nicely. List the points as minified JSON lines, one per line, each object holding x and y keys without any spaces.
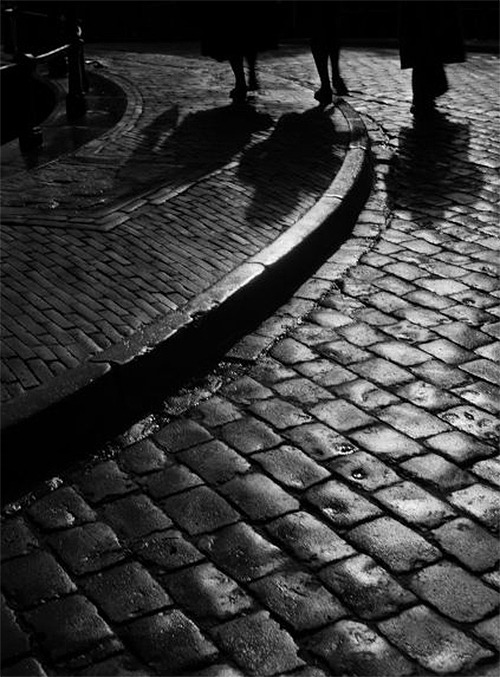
{"x":482,"y":368}
{"x":169,"y":641}
{"x":474,"y":547}
{"x":291,"y":467}
{"x":340,"y":505}
{"x":422,"y":316}
{"x":311,"y":335}
{"x":181,"y":434}
{"x":258,"y":645}
{"x":381,"y":371}
{"x":134,"y":517}
{"x":142,"y":457}
{"x":366,"y":587}
{"x":426,"y":395}
{"x":364,"y":394}
{"x":438,"y":472}
{"x":341,"y":415}
{"x":412,"y":420}
{"x":319,"y":441}
{"x":241,"y":552}
{"x":28,"y":666}
{"x":352,"y":648}
{"x":329,"y":319}
{"x":480,"y":501}
{"x":472,"y":420}
{"x":488,"y":470}
{"x":259,"y":497}
{"x":385,"y":441}
{"x":200,"y":510}
{"x":364,"y":470}
{"x":394,"y":284}
{"x":475,"y":298}
{"x":438,"y":585}
{"x":248,"y":435}
{"x":67,"y":626}
{"x":460,"y":447}
{"x":360,"y":334}
{"x":299,"y":599}
{"x":143,"y":594}
{"x":167,"y":550}
{"x":35,"y":578}
{"x":481,"y":394}
{"x":288,"y":351}
{"x":326,"y":373}
{"x":489,"y":630}
{"x":207,"y":593}
{"x":463,"y":334}
{"x":414,"y":505}
{"x":399,"y":352}
{"x":269,"y":371}
{"x":309,"y":539}
{"x":400,"y":548}
{"x":280,"y":413}
{"x":447,"y":351}
{"x":429,"y":299}
{"x":60,"y":509}
{"x":408,"y":332}
{"x":433,"y":642}
{"x":442,"y":375}
{"x":343,"y":352}
{"x":171,"y":480}
{"x":302,"y":392}
{"x":104,"y":481}
{"x":246,"y":390}
{"x":214,"y":461}
{"x":88,"y":548}
{"x":15,"y":642}
{"x":216,"y":411}
{"x":16,"y":538}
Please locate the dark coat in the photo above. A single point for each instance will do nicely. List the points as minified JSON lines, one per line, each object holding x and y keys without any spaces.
{"x":430,"y":32}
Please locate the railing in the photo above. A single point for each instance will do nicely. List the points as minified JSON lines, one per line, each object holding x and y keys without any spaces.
{"x":72,"y":53}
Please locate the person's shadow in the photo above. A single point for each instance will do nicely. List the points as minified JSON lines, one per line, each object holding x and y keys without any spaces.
{"x":292,"y":167}
{"x":172,"y":152}
{"x":430,"y":172}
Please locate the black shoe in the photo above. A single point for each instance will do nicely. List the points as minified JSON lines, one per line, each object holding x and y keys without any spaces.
{"x":239,"y":94}
{"x":340,"y":86}
{"x":324,"y":95}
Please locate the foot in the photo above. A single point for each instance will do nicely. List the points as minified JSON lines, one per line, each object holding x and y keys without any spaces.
{"x":239,"y":94}
{"x":339,"y":86}
{"x":324,"y":95}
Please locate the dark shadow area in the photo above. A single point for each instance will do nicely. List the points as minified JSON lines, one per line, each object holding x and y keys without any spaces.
{"x":170,"y":152}
{"x":300,"y":158}
{"x":430,"y":169}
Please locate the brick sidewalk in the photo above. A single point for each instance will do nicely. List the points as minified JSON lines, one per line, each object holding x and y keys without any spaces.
{"x":333,"y":508}
{"x":104,"y":241}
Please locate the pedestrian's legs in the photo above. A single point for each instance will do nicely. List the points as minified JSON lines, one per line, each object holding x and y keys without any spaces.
{"x":337,"y":81}
{"x":253,"y":83}
{"x":320,"y":55}
{"x":238,"y":94}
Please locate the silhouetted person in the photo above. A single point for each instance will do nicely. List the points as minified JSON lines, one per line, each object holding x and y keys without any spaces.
{"x":325,"y":48}
{"x":236,"y":32}
{"x":429,"y":36}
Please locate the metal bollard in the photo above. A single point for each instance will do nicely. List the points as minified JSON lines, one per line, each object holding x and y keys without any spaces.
{"x":30,"y":134}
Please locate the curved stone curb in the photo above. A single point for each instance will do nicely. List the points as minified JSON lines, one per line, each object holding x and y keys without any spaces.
{"x":94,"y":397}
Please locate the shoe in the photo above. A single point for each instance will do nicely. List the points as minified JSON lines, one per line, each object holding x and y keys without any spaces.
{"x":324,"y":96}
{"x":239,"y":94}
{"x":340,"y":86}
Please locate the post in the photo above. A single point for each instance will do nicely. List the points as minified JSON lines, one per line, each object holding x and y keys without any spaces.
{"x":30,"y":134}
{"x":76,"y":105}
